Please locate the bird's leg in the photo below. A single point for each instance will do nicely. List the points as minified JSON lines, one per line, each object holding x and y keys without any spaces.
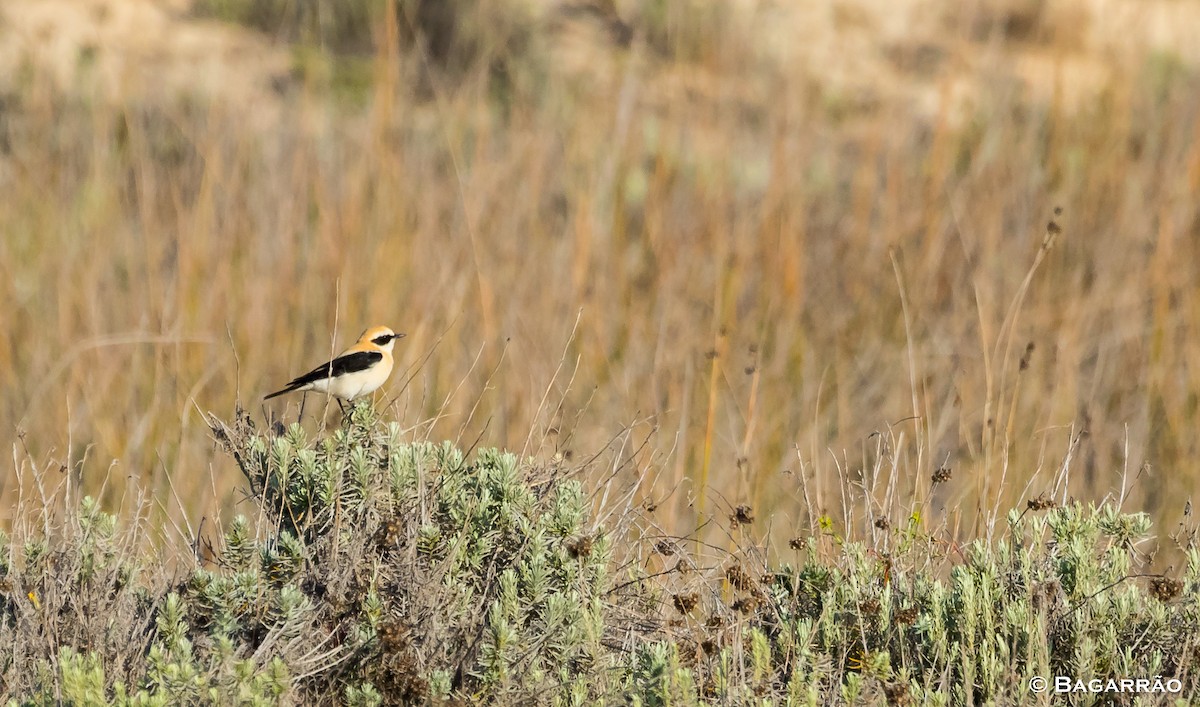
{"x":303,"y":399}
{"x":343,"y":409}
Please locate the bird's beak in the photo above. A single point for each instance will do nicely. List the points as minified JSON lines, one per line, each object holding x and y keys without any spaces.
{"x":398,"y":336}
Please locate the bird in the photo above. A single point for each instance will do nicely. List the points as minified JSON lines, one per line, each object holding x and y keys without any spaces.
{"x":357,"y":371}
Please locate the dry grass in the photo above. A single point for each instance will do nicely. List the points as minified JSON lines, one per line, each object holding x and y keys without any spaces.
{"x":377,"y":572}
{"x":754,"y":269}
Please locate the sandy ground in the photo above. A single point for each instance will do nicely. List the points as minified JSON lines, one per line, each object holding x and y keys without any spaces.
{"x":139,"y":49}
{"x":925,"y":51}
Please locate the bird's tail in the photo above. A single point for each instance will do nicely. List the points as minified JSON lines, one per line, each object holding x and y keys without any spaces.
{"x":277,"y":393}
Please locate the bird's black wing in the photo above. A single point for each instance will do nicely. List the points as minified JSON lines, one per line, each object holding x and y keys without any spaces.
{"x":340,"y":366}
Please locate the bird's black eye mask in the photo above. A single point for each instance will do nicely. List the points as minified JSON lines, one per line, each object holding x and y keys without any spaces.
{"x":383,"y":340}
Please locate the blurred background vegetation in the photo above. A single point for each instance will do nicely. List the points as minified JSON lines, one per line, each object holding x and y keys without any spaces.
{"x":765,"y":249}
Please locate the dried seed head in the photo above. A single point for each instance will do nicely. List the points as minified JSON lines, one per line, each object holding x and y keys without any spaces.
{"x":1027,"y":356}
{"x":745,"y":605}
{"x":1041,"y":503}
{"x":738,"y":578}
{"x":882,"y":523}
{"x":942,"y":475}
{"x":580,"y":547}
{"x":388,"y":534}
{"x":742,"y":515}
{"x":1053,"y":230}
{"x":393,"y":635}
{"x":684,"y":603}
{"x":907,"y":615}
{"x":1165,"y":589}
{"x":897,"y":694}
{"x":796,"y":543}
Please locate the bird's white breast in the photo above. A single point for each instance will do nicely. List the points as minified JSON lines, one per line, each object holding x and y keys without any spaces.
{"x":358,"y":383}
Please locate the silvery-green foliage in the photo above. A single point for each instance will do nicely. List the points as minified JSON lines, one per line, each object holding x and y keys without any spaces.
{"x":371,"y":569}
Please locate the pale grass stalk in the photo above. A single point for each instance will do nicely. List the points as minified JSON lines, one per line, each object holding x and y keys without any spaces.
{"x":188,"y":538}
{"x":815,"y":452}
{"x":1124,"y":473}
{"x":710,"y":420}
{"x":922,"y":424}
{"x":681,"y":435}
{"x":1063,"y":477}
{"x":1005,"y":339}
{"x":553,"y":379}
{"x":479,"y":398}
{"x":754,"y":487}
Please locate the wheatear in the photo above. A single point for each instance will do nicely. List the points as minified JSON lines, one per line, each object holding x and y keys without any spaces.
{"x":358,"y":370}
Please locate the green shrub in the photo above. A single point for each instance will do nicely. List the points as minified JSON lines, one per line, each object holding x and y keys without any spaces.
{"x":413,"y":570}
{"x":375,"y":570}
